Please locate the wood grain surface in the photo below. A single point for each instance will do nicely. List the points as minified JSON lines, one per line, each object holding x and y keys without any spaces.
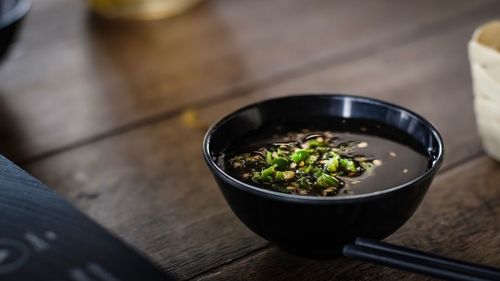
{"x":112,"y":115}
{"x":74,"y":78}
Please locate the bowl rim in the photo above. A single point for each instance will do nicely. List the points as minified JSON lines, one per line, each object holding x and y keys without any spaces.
{"x":435,"y":164}
{"x":16,"y":13}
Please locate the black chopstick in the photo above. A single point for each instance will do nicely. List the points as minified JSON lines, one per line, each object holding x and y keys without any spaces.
{"x":405,"y":263}
{"x":435,"y":260}
{"x":419,"y":262}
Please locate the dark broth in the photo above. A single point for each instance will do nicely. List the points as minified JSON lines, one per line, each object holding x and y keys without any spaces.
{"x":388,"y":156}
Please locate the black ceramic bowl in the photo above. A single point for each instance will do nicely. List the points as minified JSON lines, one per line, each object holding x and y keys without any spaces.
{"x":12,"y":13}
{"x":321,"y":226}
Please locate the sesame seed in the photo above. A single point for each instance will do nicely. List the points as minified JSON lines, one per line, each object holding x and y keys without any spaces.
{"x":363,"y":144}
{"x":393,"y":154}
{"x":288,"y":175}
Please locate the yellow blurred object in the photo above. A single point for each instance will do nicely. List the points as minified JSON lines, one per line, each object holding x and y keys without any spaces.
{"x":191,"y":119}
{"x":140,"y":9}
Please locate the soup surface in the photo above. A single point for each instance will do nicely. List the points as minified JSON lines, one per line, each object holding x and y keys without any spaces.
{"x":355,"y":157}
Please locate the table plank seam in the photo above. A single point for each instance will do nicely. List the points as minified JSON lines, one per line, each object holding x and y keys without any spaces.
{"x":214,"y":269}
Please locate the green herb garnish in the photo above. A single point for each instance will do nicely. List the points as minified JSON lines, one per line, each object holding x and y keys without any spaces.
{"x":311,"y":167}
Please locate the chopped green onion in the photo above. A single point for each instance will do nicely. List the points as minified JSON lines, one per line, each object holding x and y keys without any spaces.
{"x":269,"y":157}
{"x":267,"y":174}
{"x":311,"y":159}
{"x":326,"y":180}
{"x":332,"y":164}
{"x":348,"y":165}
{"x":300,"y":155}
{"x":280,"y":162}
{"x":308,"y":169}
{"x":315,"y":143}
{"x":311,"y":167}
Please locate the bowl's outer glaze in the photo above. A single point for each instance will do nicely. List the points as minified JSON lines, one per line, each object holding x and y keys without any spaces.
{"x":312,"y":226}
{"x":322,"y":230}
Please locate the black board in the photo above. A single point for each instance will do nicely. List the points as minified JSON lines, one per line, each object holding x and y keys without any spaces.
{"x":43,"y":237}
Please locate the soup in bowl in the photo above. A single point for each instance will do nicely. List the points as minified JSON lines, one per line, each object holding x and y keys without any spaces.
{"x":312,"y":173}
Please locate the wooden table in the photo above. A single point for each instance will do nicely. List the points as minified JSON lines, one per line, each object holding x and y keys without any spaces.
{"x":112,"y":115}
